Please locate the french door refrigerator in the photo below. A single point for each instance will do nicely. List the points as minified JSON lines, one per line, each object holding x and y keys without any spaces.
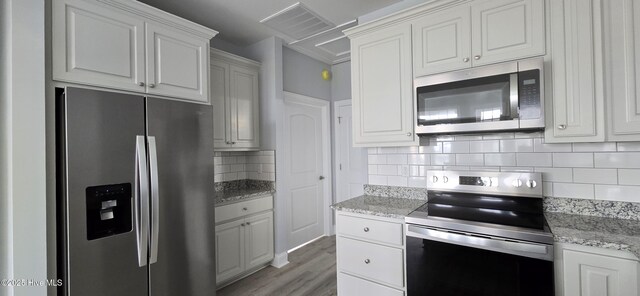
{"x":135,"y":186}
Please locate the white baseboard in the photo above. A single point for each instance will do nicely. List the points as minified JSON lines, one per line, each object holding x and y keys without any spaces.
{"x":280,"y":260}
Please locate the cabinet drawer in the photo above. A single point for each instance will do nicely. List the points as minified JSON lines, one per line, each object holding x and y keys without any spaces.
{"x":374,"y":230}
{"x":376,"y":262}
{"x":351,"y":285}
{"x":240,"y":209}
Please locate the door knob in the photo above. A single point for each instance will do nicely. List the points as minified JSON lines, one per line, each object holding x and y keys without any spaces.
{"x":321,"y":178}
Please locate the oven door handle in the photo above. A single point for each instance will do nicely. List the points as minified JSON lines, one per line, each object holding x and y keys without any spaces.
{"x":514,"y":247}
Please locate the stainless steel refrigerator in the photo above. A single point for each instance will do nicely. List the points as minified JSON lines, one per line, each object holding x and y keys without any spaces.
{"x":135,"y":184}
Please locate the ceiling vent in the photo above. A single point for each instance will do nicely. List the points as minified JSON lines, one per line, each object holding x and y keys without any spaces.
{"x":297,"y":22}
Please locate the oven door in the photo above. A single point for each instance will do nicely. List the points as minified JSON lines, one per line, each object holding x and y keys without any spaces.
{"x":467,"y":101}
{"x":444,"y":263}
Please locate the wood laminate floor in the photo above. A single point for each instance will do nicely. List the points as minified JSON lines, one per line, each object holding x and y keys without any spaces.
{"x":311,"y":271}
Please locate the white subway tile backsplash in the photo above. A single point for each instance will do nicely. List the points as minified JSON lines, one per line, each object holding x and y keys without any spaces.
{"x":455,"y":147}
{"x":594,"y":147}
{"x":500,"y":136}
{"x":372,"y":151}
{"x":456,"y":168}
{"x":595,"y":176}
{"x":484,"y":169}
{"x":419,"y":159}
{"x":556,"y":174}
{"x":540,"y":146}
{"x":486,"y":146}
{"x":469,"y":159}
{"x":397,"y":159}
{"x":629,"y":177}
{"x":377,"y":180}
{"x":397,"y":181}
{"x":573,"y":160}
{"x":257,"y":165}
{"x":442,"y":138}
{"x":387,"y":150}
{"x":501,"y":159}
{"x":411,"y":149}
{"x":517,"y":169}
{"x":372,"y":169}
{"x":617,"y":193}
{"x":443,"y":159}
{"x":572,"y":190}
{"x":516,"y":145}
{"x":547,"y":188}
{"x":420,"y":182}
{"x":434,"y":147}
{"x":377,"y":159}
{"x":467,"y":137}
{"x":388,"y":169}
{"x":528,"y":135}
{"x":629,"y":146}
{"x":625,"y":160}
{"x":534,"y":159}
{"x":417,"y":171}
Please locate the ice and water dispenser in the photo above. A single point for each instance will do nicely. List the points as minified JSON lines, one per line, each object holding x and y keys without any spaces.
{"x":108,"y":210}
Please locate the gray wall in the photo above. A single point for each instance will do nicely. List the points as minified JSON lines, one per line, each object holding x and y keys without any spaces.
{"x":341,"y":82}
{"x":302,"y":75}
{"x":23,"y":146}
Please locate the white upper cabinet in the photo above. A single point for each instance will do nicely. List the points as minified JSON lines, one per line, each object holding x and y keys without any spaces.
{"x":177,"y":64}
{"x":128,"y":45}
{"x":442,"y":41}
{"x":236,"y":100}
{"x":382,"y":88}
{"x":622,"y":60}
{"x":97,"y":45}
{"x":504,"y":30}
{"x":480,"y":33}
{"x":575,"y":100}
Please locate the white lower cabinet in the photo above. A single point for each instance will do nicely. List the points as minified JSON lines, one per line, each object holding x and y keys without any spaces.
{"x":244,"y":243}
{"x":588,"y":271}
{"x":370,"y":255}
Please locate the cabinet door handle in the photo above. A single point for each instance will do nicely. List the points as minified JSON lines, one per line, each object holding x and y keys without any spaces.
{"x":151,"y":85}
{"x":367,"y":261}
{"x":233,"y":143}
{"x":409,"y":134}
{"x":248,"y":223}
{"x":366,"y":229}
{"x":562,"y":126}
{"x":466,"y":60}
{"x":141,"y":83}
{"x":244,"y":209}
{"x":242,"y":224}
{"x":477,"y":57}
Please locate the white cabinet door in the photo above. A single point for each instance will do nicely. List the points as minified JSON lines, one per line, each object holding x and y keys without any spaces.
{"x":245,"y":129}
{"x":587,"y":274}
{"x":575,"y":108}
{"x":230,"y":254}
{"x":442,"y":41}
{"x":97,"y":45}
{"x":220,"y":100}
{"x":622,"y":52}
{"x":177,"y":64}
{"x":258,"y":240}
{"x":382,"y":88}
{"x":504,"y":30}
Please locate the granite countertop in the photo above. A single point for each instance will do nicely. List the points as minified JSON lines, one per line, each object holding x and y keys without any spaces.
{"x":230,"y":196}
{"x":390,"y":207}
{"x":602,"y":232}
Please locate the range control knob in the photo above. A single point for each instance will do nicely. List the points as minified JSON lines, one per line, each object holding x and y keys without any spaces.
{"x":445,"y":179}
{"x":435,"y":179}
{"x":516,"y":183}
{"x":531,"y":184}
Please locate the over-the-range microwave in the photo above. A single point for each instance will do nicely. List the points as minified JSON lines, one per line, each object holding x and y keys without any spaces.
{"x":500,"y":97}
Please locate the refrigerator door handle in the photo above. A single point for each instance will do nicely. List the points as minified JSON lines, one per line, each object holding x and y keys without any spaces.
{"x":155,"y":200}
{"x":141,"y":200}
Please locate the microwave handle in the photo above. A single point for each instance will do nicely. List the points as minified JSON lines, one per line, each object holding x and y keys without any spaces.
{"x":513,"y":95}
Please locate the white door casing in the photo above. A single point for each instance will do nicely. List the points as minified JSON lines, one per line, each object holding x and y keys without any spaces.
{"x":350,"y":161}
{"x":306,"y":168}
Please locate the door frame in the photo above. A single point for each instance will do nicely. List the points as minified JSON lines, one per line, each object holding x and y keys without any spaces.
{"x":325,"y":106}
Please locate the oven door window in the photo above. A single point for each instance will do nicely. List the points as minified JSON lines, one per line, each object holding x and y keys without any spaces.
{"x":437,"y":268}
{"x":483,"y":99}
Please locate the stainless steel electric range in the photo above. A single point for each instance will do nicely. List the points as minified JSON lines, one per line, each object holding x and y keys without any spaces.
{"x":480,"y":233}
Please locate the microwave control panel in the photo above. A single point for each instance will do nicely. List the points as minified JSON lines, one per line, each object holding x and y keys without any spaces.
{"x":529,"y":94}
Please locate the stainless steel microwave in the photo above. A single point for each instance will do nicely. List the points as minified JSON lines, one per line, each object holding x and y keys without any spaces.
{"x":500,"y":97}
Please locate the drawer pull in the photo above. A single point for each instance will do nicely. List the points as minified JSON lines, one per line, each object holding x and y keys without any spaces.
{"x":366,"y":229}
{"x":367,"y":261}
{"x":244,"y":209}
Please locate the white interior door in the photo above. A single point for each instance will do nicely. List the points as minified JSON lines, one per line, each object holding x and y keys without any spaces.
{"x":351,"y":162}
{"x":304,"y":144}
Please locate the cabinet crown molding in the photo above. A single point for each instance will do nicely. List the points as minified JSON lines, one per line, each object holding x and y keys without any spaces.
{"x":162,"y":17}
{"x":223,"y":55}
{"x":407,"y":14}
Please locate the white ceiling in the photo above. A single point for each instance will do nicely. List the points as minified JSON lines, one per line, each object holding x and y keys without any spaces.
{"x":238,"y":21}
